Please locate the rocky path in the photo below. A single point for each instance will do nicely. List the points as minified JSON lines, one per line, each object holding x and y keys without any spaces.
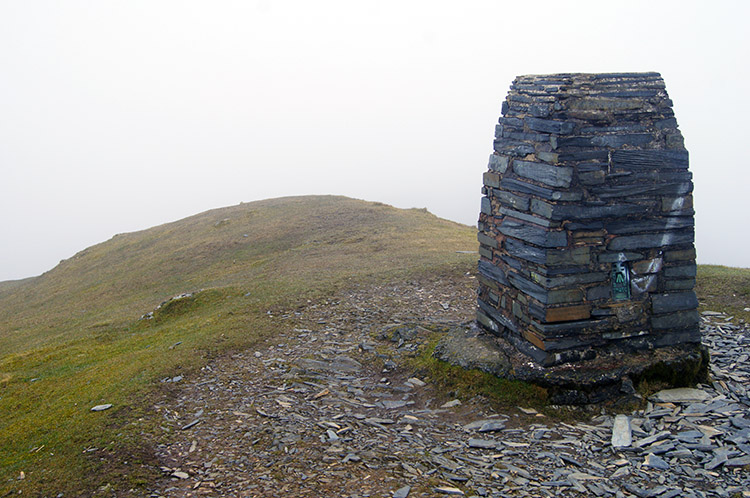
{"x":331,"y":410}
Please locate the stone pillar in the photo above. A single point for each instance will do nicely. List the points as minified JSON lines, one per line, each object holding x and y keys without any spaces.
{"x":586,"y":225}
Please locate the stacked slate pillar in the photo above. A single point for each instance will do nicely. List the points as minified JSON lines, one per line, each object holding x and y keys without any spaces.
{"x":586,"y":225}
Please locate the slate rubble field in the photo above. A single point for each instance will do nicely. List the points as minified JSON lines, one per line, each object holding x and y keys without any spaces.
{"x":331,"y":410}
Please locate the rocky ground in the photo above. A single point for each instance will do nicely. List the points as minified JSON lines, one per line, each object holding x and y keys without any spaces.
{"x":331,"y":409}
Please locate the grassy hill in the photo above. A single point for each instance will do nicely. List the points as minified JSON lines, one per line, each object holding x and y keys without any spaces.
{"x":72,"y":338}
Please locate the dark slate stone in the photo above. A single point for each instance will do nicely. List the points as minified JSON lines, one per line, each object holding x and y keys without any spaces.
{"x":577,"y":256}
{"x":546,"y":193}
{"x":679,"y":319}
{"x":585,"y":155}
{"x":513,"y":122}
{"x":518,"y":202}
{"x":685,"y":271}
{"x":649,"y":225}
{"x":619,"y":140}
{"x":649,"y":240}
{"x":485,"y":239}
{"x":570,"y":212}
{"x":492,"y":271}
{"x":524,"y":251}
{"x":632,"y":190}
{"x":542,"y":208}
{"x":600,"y":292}
{"x":527,"y":217}
{"x":528,"y":287}
{"x":486,"y":206}
{"x":650,"y":159}
{"x":526,"y":137}
{"x":614,"y":257}
{"x":555,"y":176}
{"x":497,"y":316}
{"x":576,"y":279}
{"x":513,"y":147}
{"x":569,"y":329}
{"x":533,"y":234}
{"x":491,"y":179}
{"x":674,"y":301}
{"x":679,"y":284}
{"x":498,"y":163}
{"x":550,"y":126}
{"x":629,"y":127}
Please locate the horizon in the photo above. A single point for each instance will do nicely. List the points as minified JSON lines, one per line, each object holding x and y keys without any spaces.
{"x":119,"y":118}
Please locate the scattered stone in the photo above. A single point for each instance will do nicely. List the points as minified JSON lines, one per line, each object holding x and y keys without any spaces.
{"x":681,"y":395}
{"x":621,"y":432}
{"x":402,"y":492}
{"x":447,"y":490}
{"x":655,"y":462}
{"x":451,"y":404}
{"x":101,"y":408}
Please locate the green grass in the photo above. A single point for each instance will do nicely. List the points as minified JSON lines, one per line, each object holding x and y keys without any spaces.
{"x":72,"y":338}
{"x":725,"y":289}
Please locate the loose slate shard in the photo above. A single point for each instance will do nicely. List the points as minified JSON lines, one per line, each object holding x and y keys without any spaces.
{"x":589,"y":176}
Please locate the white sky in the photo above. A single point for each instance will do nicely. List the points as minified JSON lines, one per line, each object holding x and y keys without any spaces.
{"x":118,"y":116}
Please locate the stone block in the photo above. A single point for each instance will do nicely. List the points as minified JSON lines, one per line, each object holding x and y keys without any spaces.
{"x":498,"y":163}
{"x":568,"y":313}
{"x":524,"y":251}
{"x":661,"y":224}
{"x":649,"y":159}
{"x":674,"y":284}
{"x":569,"y":280}
{"x":549,"y":126}
{"x":649,"y":240}
{"x":492,"y":271}
{"x":573,"y":257}
{"x":546,"y":193}
{"x":653,"y":265}
{"x":643,"y":284}
{"x":564,"y":296}
{"x":679,"y":319}
{"x":680,"y":255}
{"x":673,"y":301}
{"x":527,"y":217}
{"x":554,"y":176}
{"x":598,"y":292}
{"x":528,"y":287}
{"x":533,"y":234}
{"x":487,"y":240}
{"x":684,"y":271}
{"x":491,"y":179}
{"x":486,"y":207}
{"x":517,"y":202}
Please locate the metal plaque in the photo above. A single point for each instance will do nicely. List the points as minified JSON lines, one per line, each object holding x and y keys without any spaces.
{"x":620,"y":281}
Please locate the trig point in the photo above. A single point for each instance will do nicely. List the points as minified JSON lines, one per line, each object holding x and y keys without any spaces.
{"x":587,"y":264}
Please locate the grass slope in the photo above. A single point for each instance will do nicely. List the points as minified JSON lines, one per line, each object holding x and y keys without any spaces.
{"x":71,"y":338}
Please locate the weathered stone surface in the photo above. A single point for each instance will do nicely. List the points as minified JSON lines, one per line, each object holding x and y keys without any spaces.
{"x":555,"y":176}
{"x":533,"y":234}
{"x":621,"y":433}
{"x":674,"y":320}
{"x":681,"y":395}
{"x":675,"y":301}
{"x":650,"y":240}
{"x":595,"y":227}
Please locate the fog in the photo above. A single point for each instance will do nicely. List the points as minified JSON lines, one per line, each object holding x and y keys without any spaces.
{"x":118,"y":116}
